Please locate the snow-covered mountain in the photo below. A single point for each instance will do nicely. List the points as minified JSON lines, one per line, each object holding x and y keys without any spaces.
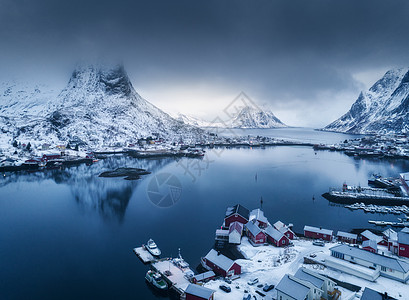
{"x":99,"y":106}
{"x":381,"y":109}
{"x":252,"y":117}
{"x":194,"y":121}
{"x":23,"y":98}
{"x":246,"y":117}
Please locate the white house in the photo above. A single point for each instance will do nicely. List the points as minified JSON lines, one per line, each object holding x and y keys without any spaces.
{"x":386,"y":266}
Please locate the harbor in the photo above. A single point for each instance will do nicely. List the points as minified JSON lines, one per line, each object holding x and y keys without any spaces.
{"x":272,"y":252}
{"x":175,"y":272}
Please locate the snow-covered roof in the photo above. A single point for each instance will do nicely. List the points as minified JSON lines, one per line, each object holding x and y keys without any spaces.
{"x":406,"y":229}
{"x":317,"y":230}
{"x":219,"y":260}
{"x":200,"y":291}
{"x":292,"y":288}
{"x":253,"y":228}
{"x":238,"y":209}
{"x":274,"y":233}
{"x":370,"y":294}
{"x":258,"y":214}
{"x":222,"y":232}
{"x":385,"y":261}
{"x":403,"y":237}
{"x":237,"y":226}
{"x":205,"y":275}
{"x":371,"y":236}
{"x":391,"y":234}
{"x":370,"y":243}
{"x":279,"y":225}
{"x":307,"y":275}
{"x":347,"y":235}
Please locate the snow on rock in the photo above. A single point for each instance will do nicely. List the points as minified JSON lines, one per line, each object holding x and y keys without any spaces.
{"x":247,"y":117}
{"x":381,"y":109}
{"x":254,"y":117}
{"x":98,"y":107}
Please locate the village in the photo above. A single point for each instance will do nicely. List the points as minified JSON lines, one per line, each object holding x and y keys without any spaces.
{"x":25,"y":155}
{"x":372,"y":146}
{"x":19,"y":155}
{"x":273,"y":262}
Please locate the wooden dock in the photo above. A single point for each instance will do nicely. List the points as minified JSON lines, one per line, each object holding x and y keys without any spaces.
{"x":144,"y":255}
{"x":176,"y":276}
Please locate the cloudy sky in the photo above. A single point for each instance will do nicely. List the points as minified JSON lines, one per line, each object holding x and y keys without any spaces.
{"x":306,"y":59}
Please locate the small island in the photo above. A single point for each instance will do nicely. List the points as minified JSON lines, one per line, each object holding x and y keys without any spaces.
{"x":128,"y":173}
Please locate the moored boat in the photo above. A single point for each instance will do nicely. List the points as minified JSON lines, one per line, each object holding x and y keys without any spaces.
{"x":153,"y":248}
{"x":156,"y":280}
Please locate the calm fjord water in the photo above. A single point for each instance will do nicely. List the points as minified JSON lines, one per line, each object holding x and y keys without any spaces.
{"x":68,"y":234}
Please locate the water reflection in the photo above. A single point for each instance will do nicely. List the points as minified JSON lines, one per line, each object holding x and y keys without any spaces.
{"x":109,"y":197}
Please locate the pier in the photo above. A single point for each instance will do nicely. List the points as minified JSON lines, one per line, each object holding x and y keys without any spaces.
{"x":175,"y":271}
{"x":144,"y":255}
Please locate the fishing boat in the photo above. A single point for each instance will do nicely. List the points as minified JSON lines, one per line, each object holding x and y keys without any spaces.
{"x":153,"y":248}
{"x":156,"y":280}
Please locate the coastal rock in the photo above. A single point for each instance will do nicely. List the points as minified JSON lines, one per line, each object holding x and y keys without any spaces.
{"x":128,"y":173}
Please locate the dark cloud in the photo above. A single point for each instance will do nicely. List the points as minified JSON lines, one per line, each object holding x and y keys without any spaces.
{"x":292,"y":51}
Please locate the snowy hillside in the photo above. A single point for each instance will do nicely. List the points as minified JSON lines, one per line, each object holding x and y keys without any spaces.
{"x":251,"y":117}
{"x":193,"y":121}
{"x":21,"y":99}
{"x":246,"y":117}
{"x":99,"y":106}
{"x":381,"y":109}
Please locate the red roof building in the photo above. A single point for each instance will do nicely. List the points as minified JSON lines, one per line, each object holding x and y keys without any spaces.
{"x":317,"y":233}
{"x":236,"y":213}
{"x":284,"y":229}
{"x":221,"y":264}
{"x":197,"y":292}
{"x":276,"y":237}
{"x":255,"y":235}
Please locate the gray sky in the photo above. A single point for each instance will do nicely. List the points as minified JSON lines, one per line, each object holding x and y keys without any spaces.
{"x":306,"y":59}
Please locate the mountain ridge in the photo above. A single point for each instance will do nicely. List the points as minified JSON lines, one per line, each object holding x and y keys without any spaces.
{"x":99,"y":106}
{"x":383,"y":108}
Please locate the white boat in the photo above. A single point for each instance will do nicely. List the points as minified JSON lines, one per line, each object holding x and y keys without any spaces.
{"x":156,"y":280}
{"x":152,"y":248}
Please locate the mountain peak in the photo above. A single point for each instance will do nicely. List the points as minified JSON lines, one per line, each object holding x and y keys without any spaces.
{"x":111,"y":79}
{"x":256,"y":117}
{"x":382,"y":109}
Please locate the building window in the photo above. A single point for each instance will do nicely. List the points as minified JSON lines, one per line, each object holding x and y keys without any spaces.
{"x":383,"y":268}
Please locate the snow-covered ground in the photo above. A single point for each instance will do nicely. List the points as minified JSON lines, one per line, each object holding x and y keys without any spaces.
{"x":269,"y":264}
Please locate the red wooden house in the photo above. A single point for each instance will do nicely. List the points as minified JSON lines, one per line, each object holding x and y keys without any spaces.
{"x":347,"y":237}
{"x":258,"y":218}
{"x":370,"y":245}
{"x":284,"y":229}
{"x":403,"y":242}
{"x":221,"y":264}
{"x":368,"y":235}
{"x":236,"y":213}
{"x":254,"y":233}
{"x":276,"y":237}
{"x":197,"y":292}
{"x":317,"y":233}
